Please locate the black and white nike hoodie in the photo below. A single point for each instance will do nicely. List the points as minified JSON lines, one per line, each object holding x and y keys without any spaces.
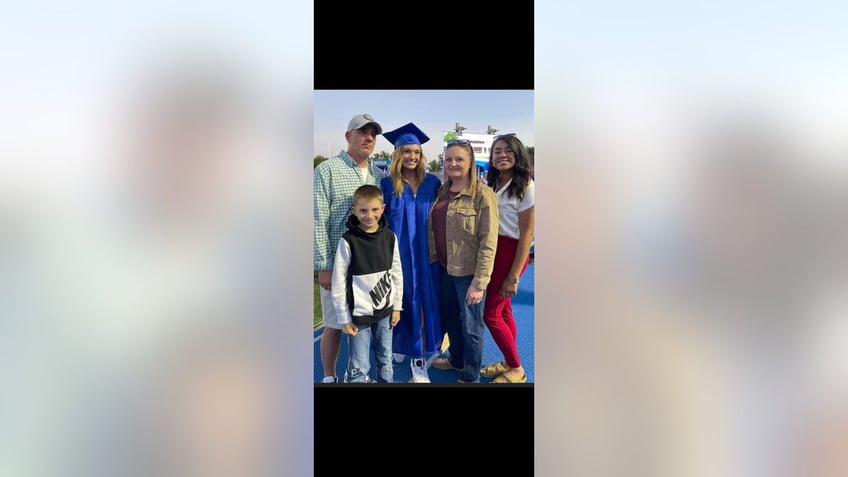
{"x":367,"y":276}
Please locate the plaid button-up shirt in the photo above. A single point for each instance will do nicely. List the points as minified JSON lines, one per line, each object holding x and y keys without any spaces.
{"x":334,"y":182}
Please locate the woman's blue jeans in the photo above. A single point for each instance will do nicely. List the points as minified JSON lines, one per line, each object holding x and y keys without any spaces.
{"x":464,"y":325}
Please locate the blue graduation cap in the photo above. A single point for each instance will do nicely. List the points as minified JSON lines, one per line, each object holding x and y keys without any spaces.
{"x":406,"y":134}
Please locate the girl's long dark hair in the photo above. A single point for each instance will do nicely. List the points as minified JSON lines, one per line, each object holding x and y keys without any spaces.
{"x":520,"y":171}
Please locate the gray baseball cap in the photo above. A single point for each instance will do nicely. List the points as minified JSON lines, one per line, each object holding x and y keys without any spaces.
{"x":361,"y":120}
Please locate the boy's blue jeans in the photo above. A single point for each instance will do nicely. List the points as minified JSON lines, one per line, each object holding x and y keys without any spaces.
{"x":464,"y":325}
{"x":379,"y":335}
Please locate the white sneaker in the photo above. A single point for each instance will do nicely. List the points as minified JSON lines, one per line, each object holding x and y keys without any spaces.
{"x":329,"y":379}
{"x":398,"y":357}
{"x":419,"y":371}
{"x":368,"y":379}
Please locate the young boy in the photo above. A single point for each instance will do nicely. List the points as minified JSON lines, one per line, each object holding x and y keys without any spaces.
{"x":367,"y":286}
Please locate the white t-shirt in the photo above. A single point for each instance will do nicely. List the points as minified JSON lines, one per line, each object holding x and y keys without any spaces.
{"x":509,"y":207}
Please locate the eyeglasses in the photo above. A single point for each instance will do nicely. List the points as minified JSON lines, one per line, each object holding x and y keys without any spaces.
{"x":461,"y":142}
{"x":504,"y":136}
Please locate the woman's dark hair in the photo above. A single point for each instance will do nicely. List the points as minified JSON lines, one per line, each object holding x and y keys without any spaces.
{"x":520,"y":172}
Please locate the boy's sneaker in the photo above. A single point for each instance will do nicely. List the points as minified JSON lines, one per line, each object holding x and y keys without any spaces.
{"x":329,"y":379}
{"x":419,"y":371}
{"x":368,"y":379}
{"x":398,"y":357}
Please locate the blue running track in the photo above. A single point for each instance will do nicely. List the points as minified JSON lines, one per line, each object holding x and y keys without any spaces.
{"x":522,"y":304}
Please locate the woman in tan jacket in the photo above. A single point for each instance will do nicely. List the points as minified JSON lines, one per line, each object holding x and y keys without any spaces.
{"x":463,"y":230}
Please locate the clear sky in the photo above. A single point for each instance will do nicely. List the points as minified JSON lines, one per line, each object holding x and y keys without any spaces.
{"x":434,"y":111}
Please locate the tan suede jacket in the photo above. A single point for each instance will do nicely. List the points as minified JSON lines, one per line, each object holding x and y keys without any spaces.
{"x":472,"y":235}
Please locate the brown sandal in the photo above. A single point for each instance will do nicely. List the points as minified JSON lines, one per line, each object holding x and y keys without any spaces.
{"x":493,"y":370}
{"x":506,"y":377}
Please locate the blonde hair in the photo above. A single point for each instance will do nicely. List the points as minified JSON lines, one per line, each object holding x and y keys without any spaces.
{"x":367,"y":192}
{"x":473,"y":180}
{"x":396,"y":169}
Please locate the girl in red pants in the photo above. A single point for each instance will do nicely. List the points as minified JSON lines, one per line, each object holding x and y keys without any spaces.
{"x":510,"y":176}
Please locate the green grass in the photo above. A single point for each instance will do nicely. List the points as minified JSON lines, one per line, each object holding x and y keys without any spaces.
{"x":316,"y":307}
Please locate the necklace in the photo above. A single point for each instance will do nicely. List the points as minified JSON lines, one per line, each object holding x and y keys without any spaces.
{"x":502,"y":181}
{"x":413,"y":183}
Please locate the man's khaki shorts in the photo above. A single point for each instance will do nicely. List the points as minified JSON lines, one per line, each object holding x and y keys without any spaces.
{"x":328,"y":311}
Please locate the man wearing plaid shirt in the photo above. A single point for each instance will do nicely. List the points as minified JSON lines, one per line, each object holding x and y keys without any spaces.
{"x":334,"y":182}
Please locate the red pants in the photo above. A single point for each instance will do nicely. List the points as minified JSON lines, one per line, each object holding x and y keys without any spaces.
{"x":497,"y":313}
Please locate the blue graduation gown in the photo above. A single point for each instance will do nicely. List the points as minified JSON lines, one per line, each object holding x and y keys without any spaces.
{"x":408,"y":218}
